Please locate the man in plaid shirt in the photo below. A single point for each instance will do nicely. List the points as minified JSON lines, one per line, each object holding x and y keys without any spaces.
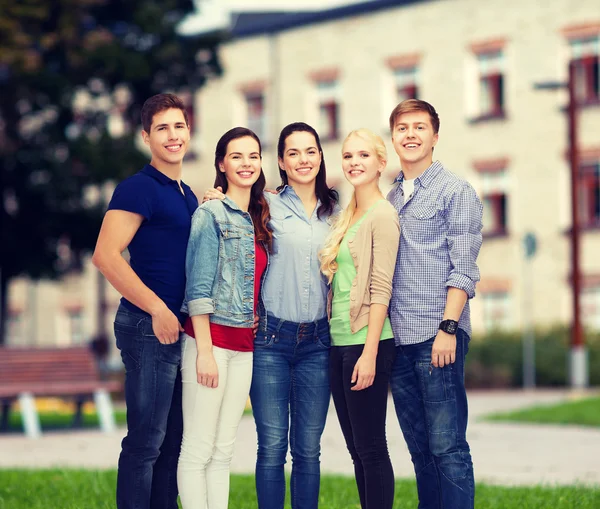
{"x":436,"y":272}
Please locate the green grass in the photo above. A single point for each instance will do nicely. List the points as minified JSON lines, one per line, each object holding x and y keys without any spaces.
{"x":584,"y":412}
{"x":79,"y":489}
{"x":57,"y":420}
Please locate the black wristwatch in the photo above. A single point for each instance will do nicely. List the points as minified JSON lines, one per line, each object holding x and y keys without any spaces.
{"x":449,"y":326}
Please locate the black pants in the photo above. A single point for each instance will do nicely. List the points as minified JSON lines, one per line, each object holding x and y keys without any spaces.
{"x":362,"y":419}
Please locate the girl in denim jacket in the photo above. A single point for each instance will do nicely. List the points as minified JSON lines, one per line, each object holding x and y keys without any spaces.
{"x":226,"y":257}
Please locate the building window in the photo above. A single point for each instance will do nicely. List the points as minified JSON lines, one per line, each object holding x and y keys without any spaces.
{"x":494,"y":192}
{"x":585,"y":54}
{"x":76,"y":326}
{"x":255,"y":113}
{"x":589,"y":195}
{"x":406,"y":83}
{"x":496,"y":311}
{"x":327,"y":93}
{"x":490,"y":67}
{"x":590,"y":308}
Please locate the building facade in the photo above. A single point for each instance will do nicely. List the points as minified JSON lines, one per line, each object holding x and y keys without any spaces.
{"x":478,"y":64}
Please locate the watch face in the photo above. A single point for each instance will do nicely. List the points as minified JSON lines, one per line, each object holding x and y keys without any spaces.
{"x":451,"y":327}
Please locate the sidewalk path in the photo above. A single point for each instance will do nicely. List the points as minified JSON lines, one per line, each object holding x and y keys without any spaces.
{"x":507,"y":454}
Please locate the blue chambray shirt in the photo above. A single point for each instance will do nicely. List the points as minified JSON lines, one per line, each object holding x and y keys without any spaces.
{"x":294,"y":288}
{"x":440,"y":238}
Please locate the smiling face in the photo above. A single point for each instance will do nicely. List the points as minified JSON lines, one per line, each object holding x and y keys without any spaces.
{"x":242,"y":162}
{"x":413,"y":138}
{"x":360,"y":162}
{"x":301,"y":158}
{"x":168,"y":138}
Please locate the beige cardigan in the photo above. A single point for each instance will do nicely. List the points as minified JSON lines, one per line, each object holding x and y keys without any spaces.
{"x":374,"y":249}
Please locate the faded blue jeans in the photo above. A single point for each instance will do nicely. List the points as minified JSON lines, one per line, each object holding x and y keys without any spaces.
{"x":290,"y":398}
{"x":147,"y":475}
{"x":431,"y":405}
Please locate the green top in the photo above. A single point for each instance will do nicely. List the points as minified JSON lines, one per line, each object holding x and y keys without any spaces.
{"x":339,"y":325}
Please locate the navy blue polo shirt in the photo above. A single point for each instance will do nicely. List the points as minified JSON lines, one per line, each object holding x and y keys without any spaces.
{"x":157,"y":250}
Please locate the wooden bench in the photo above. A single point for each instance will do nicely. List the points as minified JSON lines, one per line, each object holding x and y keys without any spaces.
{"x":69,"y":373}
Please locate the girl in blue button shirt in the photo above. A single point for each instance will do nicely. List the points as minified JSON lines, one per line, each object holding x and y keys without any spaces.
{"x":290,"y":383}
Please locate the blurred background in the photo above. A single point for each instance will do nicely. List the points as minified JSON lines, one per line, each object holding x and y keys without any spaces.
{"x":516,"y":84}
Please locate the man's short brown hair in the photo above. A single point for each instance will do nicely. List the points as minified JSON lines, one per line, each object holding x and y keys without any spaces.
{"x":158,"y":103}
{"x":410,"y":105}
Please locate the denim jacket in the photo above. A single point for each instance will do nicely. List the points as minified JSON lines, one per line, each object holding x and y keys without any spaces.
{"x":219,"y":264}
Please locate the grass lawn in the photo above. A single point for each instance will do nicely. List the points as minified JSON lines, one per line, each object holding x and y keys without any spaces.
{"x":59,"y":419}
{"x":584,"y":412}
{"x":79,"y":489}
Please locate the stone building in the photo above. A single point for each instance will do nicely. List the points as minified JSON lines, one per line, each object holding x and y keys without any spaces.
{"x":478,"y":64}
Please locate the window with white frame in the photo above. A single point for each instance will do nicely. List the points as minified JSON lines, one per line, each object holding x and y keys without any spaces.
{"x":585,"y":54}
{"x":491,"y":93}
{"x":255,"y":113}
{"x":496,"y":311}
{"x":495,"y":202}
{"x":406,"y":81}
{"x":589,"y":194}
{"x":590,"y":308}
{"x":328,"y":101}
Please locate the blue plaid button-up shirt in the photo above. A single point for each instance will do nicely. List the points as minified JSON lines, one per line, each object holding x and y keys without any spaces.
{"x":440,"y":238}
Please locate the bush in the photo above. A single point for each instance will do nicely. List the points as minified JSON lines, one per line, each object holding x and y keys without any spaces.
{"x":495,"y":360}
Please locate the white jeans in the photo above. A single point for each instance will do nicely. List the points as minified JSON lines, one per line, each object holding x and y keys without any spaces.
{"x":210,"y":422}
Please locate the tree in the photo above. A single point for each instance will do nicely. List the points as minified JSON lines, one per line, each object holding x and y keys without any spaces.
{"x":73,"y":77}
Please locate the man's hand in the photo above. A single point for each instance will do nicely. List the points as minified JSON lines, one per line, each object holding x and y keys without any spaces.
{"x":206,"y":368}
{"x":213,"y":194}
{"x":364,"y":372}
{"x":272,"y":191}
{"x":166,"y":326}
{"x":443,"y":351}
{"x":255,"y":326}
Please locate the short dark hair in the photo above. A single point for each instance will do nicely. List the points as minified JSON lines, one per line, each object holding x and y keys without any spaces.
{"x":158,"y":103}
{"x":410,"y":105}
{"x":328,"y":196}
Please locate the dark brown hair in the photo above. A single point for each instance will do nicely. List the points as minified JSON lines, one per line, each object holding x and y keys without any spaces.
{"x":158,"y":103}
{"x":258,"y":207}
{"x":327,"y":195}
{"x":410,"y":105}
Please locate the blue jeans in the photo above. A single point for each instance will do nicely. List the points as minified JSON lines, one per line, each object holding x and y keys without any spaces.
{"x":431,"y":405}
{"x":147,"y":475}
{"x":290,"y":397}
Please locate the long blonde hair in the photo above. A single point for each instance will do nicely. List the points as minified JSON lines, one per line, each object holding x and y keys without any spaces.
{"x":331,"y":248}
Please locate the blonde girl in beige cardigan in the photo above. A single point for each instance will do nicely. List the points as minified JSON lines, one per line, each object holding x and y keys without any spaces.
{"x":358,"y":260}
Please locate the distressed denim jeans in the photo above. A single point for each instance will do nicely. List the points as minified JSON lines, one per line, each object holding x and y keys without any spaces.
{"x":147,"y":475}
{"x":431,"y":405}
{"x":290,"y":398}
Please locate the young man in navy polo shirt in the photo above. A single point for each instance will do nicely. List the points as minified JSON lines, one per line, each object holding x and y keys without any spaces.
{"x":150,"y":215}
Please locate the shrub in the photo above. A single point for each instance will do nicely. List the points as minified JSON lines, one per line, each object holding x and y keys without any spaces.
{"x":495,"y":360}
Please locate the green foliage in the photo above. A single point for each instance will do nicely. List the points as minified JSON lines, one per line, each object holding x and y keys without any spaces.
{"x":496,"y":360}
{"x":67,"y":67}
{"x":584,"y":412}
{"x":78,"y":489}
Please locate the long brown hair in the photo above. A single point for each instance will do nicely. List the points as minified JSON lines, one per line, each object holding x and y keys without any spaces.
{"x":258,"y":207}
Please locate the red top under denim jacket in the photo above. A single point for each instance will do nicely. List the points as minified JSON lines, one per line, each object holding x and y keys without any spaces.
{"x":237,"y":338}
